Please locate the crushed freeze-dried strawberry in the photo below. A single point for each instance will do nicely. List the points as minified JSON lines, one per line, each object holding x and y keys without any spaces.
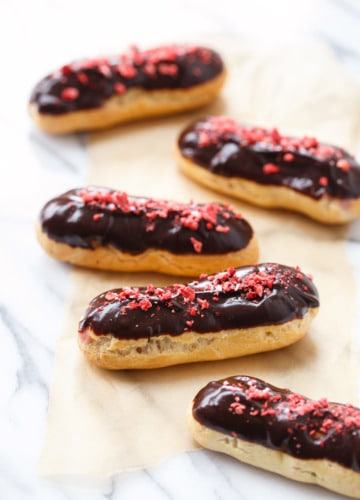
{"x":83,"y":78}
{"x":270,"y":168}
{"x":323,"y":181}
{"x":216,"y":129}
{"x":119,"y":88}
{"x":196,"y":244}
{"x":213,"y":216}
{"x":343,"y":165}
{"x":70,"y":93}
{"x":289,"y":157}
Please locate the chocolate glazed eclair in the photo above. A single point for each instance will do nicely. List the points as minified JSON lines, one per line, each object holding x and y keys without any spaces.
{"x":106,"y":229}
{"x":268,"y":169}
{"x":313,"y":441}
{"x":98,"y":93}
{"x":233,"y":313}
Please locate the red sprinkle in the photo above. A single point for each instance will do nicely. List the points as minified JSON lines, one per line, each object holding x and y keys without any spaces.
{"x":150,"y":69}
{"x":204,"y":304}
{"x":186,"y":291}
{"x":145,"y":304}
{"x":105,"y":69}
{"x":289,"y":157}
{"x":237,"y":408}
{"x":309,"y":142}
{"x":66,"y":69}
{"x":222,"y":229}
{"x":69,"y":93}
{"x":127,"y":71}
{"x":196,"y":244}
{"x":343,"y":165}
{"x":270,"y":168}
{"x":150,"y":289}
{"x":119,"y":88}
{"x":110,"y":296}
{"x":192,"y":311}
{"x":168,"y":69}
{"x":83,"y":78}
{"x":323,"y":181}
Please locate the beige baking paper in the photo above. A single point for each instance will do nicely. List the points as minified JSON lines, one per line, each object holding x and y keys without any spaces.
{"x":102,"y":422}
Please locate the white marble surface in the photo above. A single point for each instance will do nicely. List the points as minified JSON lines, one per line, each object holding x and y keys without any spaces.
{"x":35,"y":37}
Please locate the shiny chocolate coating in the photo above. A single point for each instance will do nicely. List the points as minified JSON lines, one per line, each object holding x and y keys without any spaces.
{"x":264,"y":156}
{"x":91,"y":82}
{"x":91,"y":217}
{"x":245,"y":297}
{"x":250,"y":409}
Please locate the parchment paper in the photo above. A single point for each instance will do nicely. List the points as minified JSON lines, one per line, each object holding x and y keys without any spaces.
{"x":103,"y":422}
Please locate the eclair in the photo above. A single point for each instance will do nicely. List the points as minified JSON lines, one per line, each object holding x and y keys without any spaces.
{"x":106,"y":229}
{"x":265,"y":168}
{"x":312,"y":441}
{"x":97,"y":93}
{"x":233,"y":313}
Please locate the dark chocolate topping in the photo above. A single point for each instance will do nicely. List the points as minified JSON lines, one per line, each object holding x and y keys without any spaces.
{"x":87,"y":84}
{"x":250,"y":409}
{"x":229,"y":149}
{"x":237,"y":298}
{"x":91,"y":217}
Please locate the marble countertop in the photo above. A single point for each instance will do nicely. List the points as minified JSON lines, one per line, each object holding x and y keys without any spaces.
{"x":35,"y":37}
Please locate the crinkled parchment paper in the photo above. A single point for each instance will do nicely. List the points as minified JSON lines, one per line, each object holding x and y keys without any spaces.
{"x":102,"y":422}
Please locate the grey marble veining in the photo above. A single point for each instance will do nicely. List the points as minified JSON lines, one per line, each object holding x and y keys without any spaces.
{"x":37,"y":36}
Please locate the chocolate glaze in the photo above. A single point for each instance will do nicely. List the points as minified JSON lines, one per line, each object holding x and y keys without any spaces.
{"x":281,"y":420}
{"x":313,"y":171}
{"x":250,"y":296}
{"x":69,"y":219}
{"x":171,"y":67}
